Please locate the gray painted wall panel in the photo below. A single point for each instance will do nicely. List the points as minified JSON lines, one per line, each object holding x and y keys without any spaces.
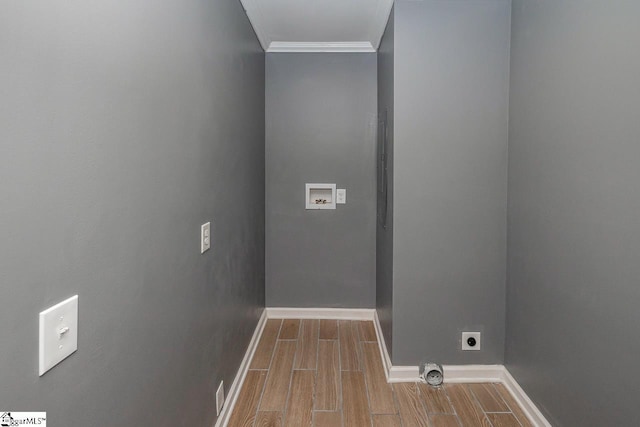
{"x":123,"y":127}
{"x":450,"y":170}
{"x":574,"y":237}
{"x":321,"y":118}
{"x":384,"y":231}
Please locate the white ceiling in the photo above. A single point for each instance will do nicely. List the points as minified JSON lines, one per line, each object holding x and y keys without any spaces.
{"x":318,"y":25}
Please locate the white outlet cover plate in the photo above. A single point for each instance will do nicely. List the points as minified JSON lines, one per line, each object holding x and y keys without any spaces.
{"x":466,"y":336}
{"x":205,"y":237}
{"x":220,"y":397}
{"x":341,"y":196}
{"x":58,"y":333}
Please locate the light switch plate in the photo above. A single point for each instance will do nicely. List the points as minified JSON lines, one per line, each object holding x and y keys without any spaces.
{"x":341,"y":196}
{"x":205,"y":237}
{"x":58,"y":333}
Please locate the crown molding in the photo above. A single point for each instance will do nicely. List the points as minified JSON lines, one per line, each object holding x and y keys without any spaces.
{"x":320,"y":47}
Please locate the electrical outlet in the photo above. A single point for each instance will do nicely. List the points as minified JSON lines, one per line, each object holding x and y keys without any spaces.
{"x":220,"y":398}
{"x":205,"y":237}
{"x":471,"y":341}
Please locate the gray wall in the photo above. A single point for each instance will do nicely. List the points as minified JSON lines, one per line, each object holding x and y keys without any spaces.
{"x":574,"y":236}
{"x":450,"y":170}
{"x":123,"y":127}
{"x":320,"y":127}
{"x":384,"y":229}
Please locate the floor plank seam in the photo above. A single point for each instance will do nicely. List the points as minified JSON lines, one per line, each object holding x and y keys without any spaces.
{"x":286,"y":402}
{"x":474,"y":395}
{"x":422,"y":403}
{"x":264,"y":386}
{"x":315,"y":385}
{"x":340,"y":394}
{"x":453,"y":408}
{"x":397,"y":405}
{"x":366,"y":381}
{"x":507,"y":405}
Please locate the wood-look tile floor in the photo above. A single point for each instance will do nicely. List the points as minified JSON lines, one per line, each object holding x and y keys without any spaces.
{"x":329,"y":373}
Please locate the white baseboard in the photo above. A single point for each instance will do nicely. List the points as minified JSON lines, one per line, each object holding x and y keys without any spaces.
{"x":384,"y":354}
{"x":404,"y":374}
{"x":236,"y":386}
{"x":462,"y":374}
{"x":394,"y":374}
{"x":529,"y":408}
{"x":321,"y":313}
{"x":473,"y":373}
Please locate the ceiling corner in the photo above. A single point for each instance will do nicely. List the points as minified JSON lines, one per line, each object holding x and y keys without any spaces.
{"x":252,"y":10}
{"x":312,"y":26}
{"x":380,"y":23}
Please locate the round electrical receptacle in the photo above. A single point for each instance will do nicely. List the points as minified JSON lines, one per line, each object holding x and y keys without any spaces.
{"x":432,"y":373}
{"x":434,"y":378}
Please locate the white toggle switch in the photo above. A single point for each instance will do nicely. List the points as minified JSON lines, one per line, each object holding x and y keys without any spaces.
{"x":58,"y":333}
{"x":341,"y":196}
{"x":62,"y":331}
{"x":205,"y":237}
